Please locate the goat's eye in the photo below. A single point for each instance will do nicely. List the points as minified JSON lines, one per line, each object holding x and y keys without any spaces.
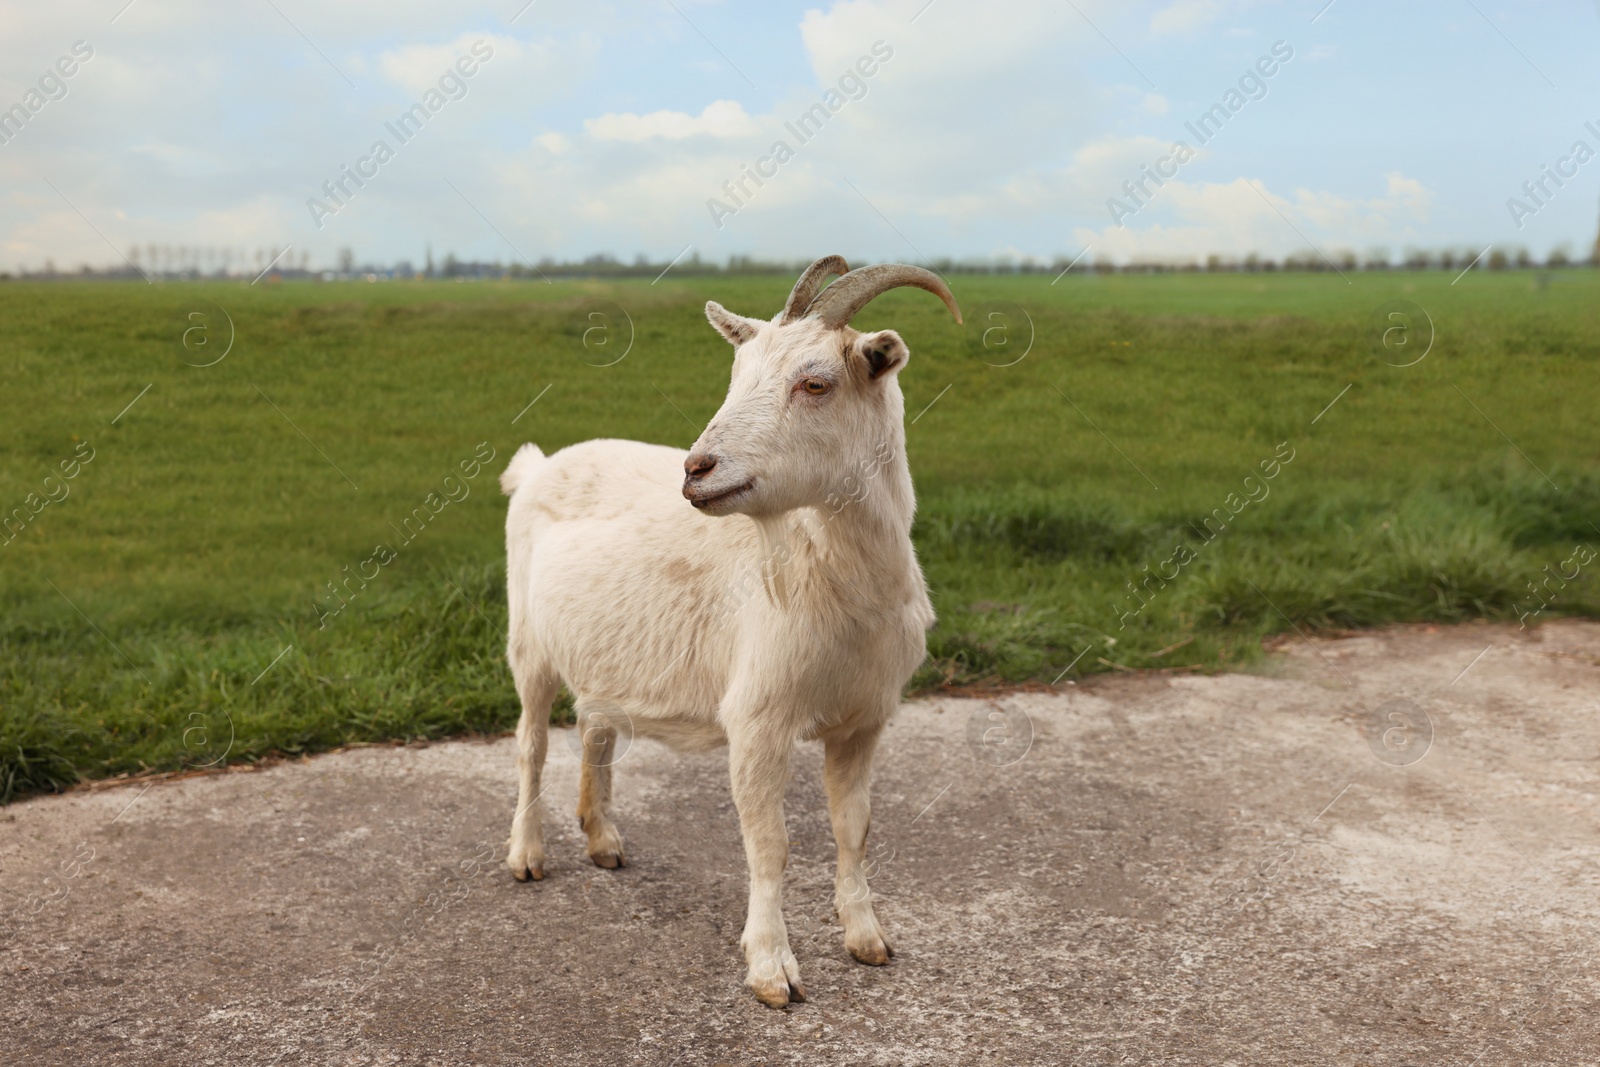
{"x":815,"y":386}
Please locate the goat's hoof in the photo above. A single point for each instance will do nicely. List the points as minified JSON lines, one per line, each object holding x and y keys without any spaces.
{"x":609,"y":860}
{"x":775,"y":980}
{"x":876,"y":954}
{"x":780,"y":994}
{"x":870,"y":947}
{"x":526,"y":861}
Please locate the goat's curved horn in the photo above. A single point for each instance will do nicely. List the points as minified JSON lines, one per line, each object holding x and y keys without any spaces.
{"x":805,"y":290}
{"x":838,"y":303}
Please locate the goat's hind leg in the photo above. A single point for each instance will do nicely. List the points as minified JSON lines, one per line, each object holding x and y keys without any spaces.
{"x":599,"y":725}
{"x":537,"y":687}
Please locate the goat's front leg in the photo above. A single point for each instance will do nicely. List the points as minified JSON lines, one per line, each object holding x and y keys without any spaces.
{"x":847,"y":773}
{"x":759,"y":765}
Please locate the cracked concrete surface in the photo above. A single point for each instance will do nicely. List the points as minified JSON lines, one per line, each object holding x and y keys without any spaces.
{"x":1241,"y":869}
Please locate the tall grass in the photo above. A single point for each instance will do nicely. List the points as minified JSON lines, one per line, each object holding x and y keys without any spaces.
{"x":1023,"y":585}
{"x":421,"y":662}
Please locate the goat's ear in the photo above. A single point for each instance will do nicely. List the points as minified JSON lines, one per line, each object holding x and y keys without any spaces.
{"x":880,"y":353}
{"x":736,"y":328}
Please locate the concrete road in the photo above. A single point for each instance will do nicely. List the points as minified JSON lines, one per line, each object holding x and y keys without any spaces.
{"x":1380,"y":850}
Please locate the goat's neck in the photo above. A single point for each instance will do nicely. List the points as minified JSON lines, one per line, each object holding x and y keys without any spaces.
{"x":859,"y":541}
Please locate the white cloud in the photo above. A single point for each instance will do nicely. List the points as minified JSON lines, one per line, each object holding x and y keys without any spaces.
{"x":554,"y":143}
{"x":1405,"y":201}
{"x":1192,"y":220}
{"x":920,"y":139}
{"x":720,"y":118}
{"x":1094,"y":173}
{"x":418,"y":67}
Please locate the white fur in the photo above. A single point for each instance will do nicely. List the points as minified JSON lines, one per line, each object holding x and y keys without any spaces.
{"x":794,"y":610}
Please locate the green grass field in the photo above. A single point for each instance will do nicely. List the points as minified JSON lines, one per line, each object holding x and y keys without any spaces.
{"x":147,"y":611}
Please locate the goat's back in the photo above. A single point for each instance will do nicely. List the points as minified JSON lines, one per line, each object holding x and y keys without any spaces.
{"x":600,"y":479}
{"x":615,"y":578}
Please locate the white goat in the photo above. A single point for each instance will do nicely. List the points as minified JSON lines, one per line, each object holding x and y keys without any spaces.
{"x":785,"y":604}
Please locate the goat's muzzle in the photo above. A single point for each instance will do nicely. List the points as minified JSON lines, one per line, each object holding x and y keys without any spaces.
{"x":697,"y":466}
{"x":695,"y":471}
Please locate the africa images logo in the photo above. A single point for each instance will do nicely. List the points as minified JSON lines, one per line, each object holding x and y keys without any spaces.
{"x":52,"y":85}
{"x":852,"y":85}
{"x":1252,"y":86}
{"x":452,"y":86}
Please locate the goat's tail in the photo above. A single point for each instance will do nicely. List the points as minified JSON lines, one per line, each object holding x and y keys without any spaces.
{"x":521,"y":466}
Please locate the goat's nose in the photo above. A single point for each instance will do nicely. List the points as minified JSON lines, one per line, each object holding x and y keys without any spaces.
{"x":699,"y":464}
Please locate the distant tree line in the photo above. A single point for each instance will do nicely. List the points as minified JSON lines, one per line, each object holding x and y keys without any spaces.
{"x":197,"y":263}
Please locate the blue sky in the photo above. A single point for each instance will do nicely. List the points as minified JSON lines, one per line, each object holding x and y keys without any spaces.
{"x":995,"y":129}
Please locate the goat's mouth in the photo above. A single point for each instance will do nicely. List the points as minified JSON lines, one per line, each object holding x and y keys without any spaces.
{"x":713,"y":499}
